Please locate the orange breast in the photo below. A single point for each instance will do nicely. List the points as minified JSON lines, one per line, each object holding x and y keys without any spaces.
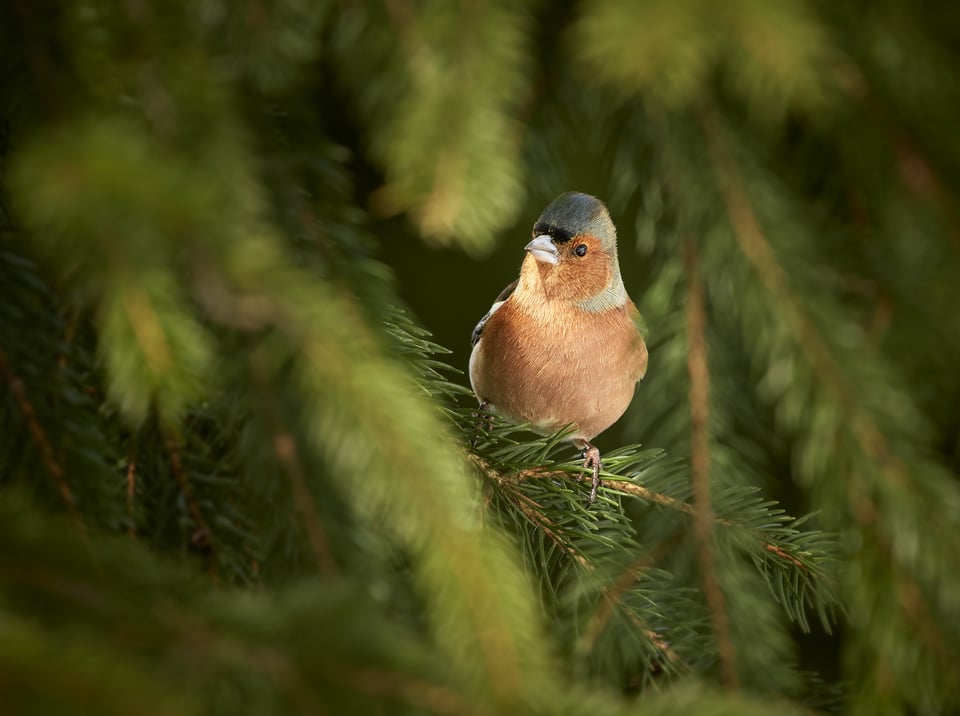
{"x":558,"y":367}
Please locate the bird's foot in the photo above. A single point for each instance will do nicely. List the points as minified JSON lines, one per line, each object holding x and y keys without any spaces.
{"x":483,"y":419}
{"x":591,"y":460}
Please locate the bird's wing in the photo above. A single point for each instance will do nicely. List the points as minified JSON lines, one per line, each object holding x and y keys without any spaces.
{"x":501,"y":299}
{"x":641,"y":327}
{"x":640,"y":324}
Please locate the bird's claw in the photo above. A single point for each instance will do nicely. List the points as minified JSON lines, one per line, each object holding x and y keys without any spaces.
{"x":591,"y":459}
{"x":483,"y":420}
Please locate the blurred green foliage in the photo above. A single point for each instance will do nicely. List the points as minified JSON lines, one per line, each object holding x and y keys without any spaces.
{"x":236,"y":476}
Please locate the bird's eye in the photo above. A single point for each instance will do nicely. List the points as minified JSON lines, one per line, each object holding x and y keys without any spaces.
{"x":581,"y":250}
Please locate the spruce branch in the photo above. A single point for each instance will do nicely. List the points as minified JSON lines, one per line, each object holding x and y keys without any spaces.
{"x":612,"y":597}
{"x":866,"y":497}
{"x":917,"y":609}
{"x":916,"y":171}
{"x":42,"y":441}
{"x":784,"y":555}
{"x":507,"y":482}
{"x":612,"y":600}
{"x":515,"y":465}
{"x":460,"y":180}
{"x":287,"y":453}
{"x":758,"y":250}
{"x":529,"y":507}
{"x":202,"y":537}
{"x":131,"y":492}
{"x":506,"y":478}
{"x":703,"y":517}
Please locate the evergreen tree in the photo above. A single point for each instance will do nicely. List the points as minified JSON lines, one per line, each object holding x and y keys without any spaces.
{"x":237,"y":475}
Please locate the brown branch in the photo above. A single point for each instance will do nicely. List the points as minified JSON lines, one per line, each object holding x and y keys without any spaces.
{"x":41,"y":440}
{"x":614,"y":596}
{"x":527,"y":505}
{"x":865,"y":433}
{"x":202,"y":537}
{"x":288,"y":455}
{"x":703,"y":518}
{"x":285,"y":448}
{"x":783,"y":554}
{"x":540,"y":473}
{"x":758,"y":251}
{"x":131,"y":492}
{"x":531,"y":510}
{"x":915,"y":169}
{"x":624,"y":487}
{"x":914,"y":605}
{"x":611,"y":597}
{"x":251,"y":312}
{"x":657,"y":498}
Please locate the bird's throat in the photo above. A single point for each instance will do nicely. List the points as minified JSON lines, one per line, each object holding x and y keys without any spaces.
{"x":542,"y":283}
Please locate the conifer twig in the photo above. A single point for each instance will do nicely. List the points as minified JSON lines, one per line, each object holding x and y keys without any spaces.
{"x":40,"y":439}
{"x":868,"y":437}
{"x":131,"y":492}
{"x":783,"y":554}
{"x":916,"y":171}
{"x":202,"y":536}
{"x":914,"y":604}
{"x":529,"y":507}
{"x":755,"y":247}
{"x":626,"y":487}
{"x":612,"y":597}
{"x":703,"y":517}
{"x":285,"y":448}
{"x":286,"y":451}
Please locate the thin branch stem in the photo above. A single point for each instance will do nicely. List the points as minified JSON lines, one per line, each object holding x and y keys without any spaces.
{"x":625,"y":487}
{"x":288,"y":455}
{"x":916,"y":169}
{"x":529,"y":507}
{"x":868,"y":438}
{"x":41,"y":440}
{"x":703,"y":518}
{"x":131,"y":492}
{"x":611,"y":598}
{"x":203,"y":535}
{"x":614,"y":596}
{"x":758,"y":251}
{"x":285,"y":448}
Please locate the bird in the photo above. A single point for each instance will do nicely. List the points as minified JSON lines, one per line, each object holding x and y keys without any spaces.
{"x":563,"y":344}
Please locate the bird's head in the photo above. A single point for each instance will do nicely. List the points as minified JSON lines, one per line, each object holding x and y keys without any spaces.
{"x":574,"y":253}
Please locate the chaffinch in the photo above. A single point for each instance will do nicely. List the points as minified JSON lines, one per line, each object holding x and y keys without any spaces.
{"x":561,"y":345}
